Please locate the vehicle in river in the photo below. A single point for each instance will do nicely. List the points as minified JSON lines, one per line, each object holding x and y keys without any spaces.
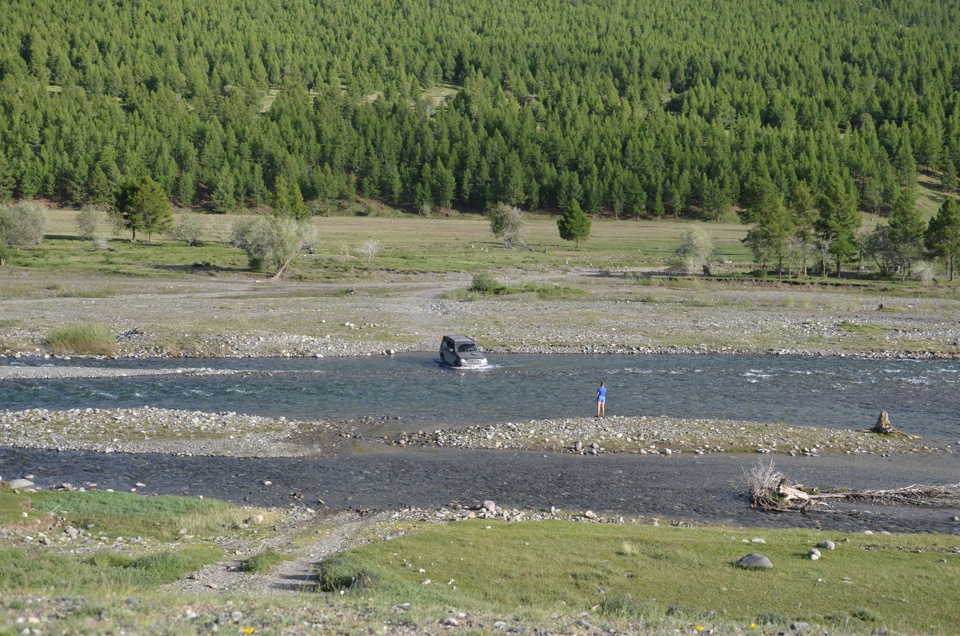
{"x":461,"y":351}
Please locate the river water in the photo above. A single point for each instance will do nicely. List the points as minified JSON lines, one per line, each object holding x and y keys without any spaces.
{"x":922,"y":397}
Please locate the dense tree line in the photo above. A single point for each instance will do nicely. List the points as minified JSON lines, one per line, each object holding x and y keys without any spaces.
{"x":628,"y":107}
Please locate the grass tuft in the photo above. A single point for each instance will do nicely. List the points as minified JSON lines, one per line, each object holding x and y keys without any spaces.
{"x":342,"y":574}
{"x":88,"y":339}
{"x":264,"y":562}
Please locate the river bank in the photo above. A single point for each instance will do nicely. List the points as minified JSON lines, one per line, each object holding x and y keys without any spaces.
{"x":611,"y":312}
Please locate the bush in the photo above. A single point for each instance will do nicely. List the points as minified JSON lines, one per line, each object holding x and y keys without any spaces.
{"x":924,"y":271}
{"x":263,"y":562}
{"x":190,"y":230}
{"x":271,"y":243}
{"x":506,"y":223}
{"x":82,"y":340}
{"x":22,"y":224}
{"x":484,"y":283}
{"x":88,"y":222}
{"x":339,"y":574}
{"x":695,"y":254}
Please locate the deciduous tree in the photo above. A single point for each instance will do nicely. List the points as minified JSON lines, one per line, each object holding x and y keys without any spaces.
{"x":506,"y":223}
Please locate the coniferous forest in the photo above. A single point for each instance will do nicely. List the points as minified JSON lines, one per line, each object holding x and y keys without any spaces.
{"x":626,"y":107}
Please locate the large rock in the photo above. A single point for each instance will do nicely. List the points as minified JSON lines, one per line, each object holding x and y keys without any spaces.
{"x":20,"y":483}
{"x":754,"y":561}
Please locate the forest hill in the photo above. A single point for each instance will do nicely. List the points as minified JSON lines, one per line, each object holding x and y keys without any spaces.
{"x":637,"y":108}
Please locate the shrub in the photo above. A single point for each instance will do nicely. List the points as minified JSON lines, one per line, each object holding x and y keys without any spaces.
{"x":371,"y":248}
{"x":338,"y":574}
{"x":92,"y":339}
{"x":88,"y":222}
{"x":695,"y":254}
{"x":506,"y":223}
{"x":924,"y":271}
{"x":22,"y":224}
{"x":484,"y":283}
{"x":271,"y":243}
{"x":190,"y":230}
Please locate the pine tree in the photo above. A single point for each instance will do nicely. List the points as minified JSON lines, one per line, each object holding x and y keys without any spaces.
{"x":142,"y":206}
{"x":574,"y":225}
{"x":906,"y":229}
{"x":943,"y":234}
{"x":838,"y":221}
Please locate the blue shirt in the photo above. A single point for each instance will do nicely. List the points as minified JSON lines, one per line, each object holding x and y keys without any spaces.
{"x":602,"y":394}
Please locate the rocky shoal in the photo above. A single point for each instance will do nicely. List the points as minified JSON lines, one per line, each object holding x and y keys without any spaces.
{"x":157,"y":430}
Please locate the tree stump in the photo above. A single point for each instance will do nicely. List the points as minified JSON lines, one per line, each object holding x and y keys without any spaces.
{"x":883,"y":424}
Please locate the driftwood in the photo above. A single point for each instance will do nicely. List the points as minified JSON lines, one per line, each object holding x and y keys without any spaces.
{"x":771,"y":491}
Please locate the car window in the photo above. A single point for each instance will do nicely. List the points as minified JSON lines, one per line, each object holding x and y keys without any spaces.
{"x":467,"y":347}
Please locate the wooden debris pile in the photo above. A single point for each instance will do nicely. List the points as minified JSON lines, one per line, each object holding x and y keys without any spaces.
{"x":770,"y":491}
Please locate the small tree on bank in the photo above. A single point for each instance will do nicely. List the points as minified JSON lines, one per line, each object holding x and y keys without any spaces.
{"x":142,"y":206}
{"x":88,"y":222}
{"x":506,"y":223}
{"x":273,"y":243}
{"x":574,"y":225}
{"x":695,"y":254}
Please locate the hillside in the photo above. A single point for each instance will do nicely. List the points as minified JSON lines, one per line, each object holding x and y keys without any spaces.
{"x":631,"y":108}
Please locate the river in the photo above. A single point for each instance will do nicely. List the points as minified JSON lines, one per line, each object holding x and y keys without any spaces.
{"x":922,"y":397}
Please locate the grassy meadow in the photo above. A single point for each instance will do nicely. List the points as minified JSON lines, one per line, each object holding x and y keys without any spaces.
{"x":636,"y":577}
{"x":644,"y":574}
{"x":448,"y":241}
{"x":407,"y":245}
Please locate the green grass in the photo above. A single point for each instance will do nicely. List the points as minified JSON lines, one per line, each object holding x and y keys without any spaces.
{"x":264,"y":562}
{"x":458,"y":242}
{"x":25,"y":571}
{"x":858,"y":328}
{"x":113,"y":514}
{"x":903,"y":583}
{"x":90,"y":339}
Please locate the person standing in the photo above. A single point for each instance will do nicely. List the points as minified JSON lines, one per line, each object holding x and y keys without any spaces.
{"x":601,"y":400}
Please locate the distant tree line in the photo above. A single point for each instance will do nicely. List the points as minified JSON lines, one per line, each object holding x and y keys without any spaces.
{"x":641,"y":108}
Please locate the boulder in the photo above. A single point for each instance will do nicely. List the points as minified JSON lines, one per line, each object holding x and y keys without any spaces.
{"x":754,"y":561}
{"x":20,"y":483}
